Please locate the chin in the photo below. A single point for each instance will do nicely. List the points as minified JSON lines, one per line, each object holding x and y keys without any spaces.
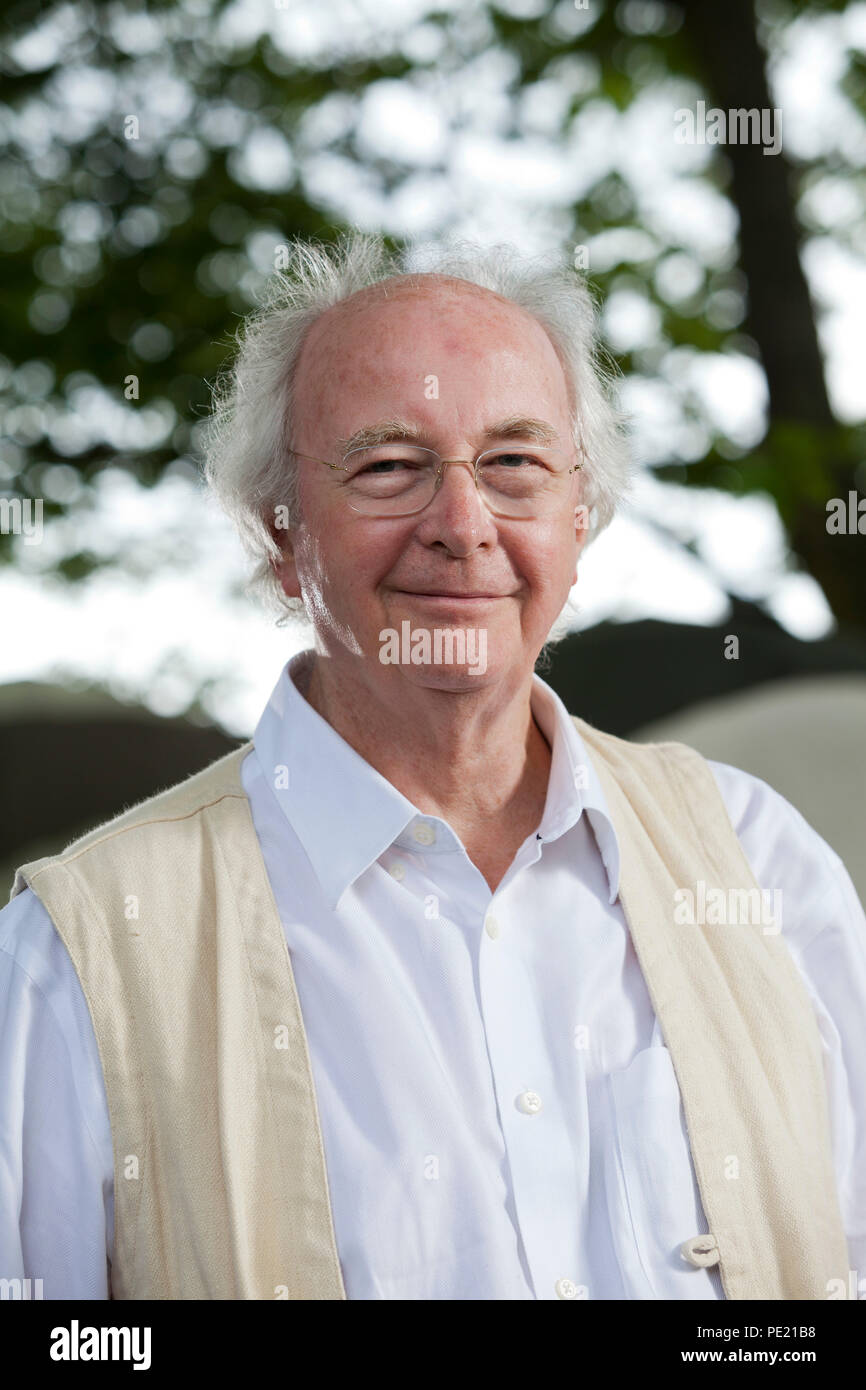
{"x":459,"y":679}
{"x":439,"y":655}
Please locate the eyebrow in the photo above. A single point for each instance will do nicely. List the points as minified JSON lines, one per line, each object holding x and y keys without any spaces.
{"x":397,"y":431}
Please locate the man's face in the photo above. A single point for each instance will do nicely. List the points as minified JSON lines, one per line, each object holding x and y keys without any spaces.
{"x":370,"y":360}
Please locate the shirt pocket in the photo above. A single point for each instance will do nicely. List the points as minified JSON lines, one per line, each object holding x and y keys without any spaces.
{"x":653,"y":1198}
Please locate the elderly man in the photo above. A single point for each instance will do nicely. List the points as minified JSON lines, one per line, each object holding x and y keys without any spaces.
{"x":431,"y":990}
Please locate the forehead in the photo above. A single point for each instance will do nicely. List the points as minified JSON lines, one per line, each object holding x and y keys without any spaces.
{"x":405,"y":293}
{"x":406,"y":328}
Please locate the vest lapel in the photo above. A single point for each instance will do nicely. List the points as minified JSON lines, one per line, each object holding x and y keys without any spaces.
{"x":312,"y":1255}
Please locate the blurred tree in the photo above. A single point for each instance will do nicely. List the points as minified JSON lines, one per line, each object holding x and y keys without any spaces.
{"x":806,"y":456}
{"x":157,"y":155}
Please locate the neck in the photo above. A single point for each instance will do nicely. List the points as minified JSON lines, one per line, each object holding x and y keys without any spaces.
{"x":475,"y":757}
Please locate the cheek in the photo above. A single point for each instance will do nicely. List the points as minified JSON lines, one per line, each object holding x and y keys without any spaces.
{"x":343,"y":559}
{"x":548,"y":560}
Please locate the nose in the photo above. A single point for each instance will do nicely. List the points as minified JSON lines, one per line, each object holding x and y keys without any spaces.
{"x":456,"y":514}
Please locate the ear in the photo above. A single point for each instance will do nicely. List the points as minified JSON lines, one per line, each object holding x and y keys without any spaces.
{"x":581,"y":526}
{"x":581,"y":533}
{"x":285,"y":567}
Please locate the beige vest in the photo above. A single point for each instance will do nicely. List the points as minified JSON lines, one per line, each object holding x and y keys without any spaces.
{"x":220,"y":1180}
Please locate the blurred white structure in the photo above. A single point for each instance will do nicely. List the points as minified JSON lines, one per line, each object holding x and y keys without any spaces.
{"x":806,"y":737}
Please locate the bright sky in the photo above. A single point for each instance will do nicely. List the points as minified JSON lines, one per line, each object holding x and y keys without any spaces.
{"x":155,"y":639}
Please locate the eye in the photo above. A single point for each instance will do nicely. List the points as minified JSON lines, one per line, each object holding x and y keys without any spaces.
{"x":516,"y":461}
{"x":379,"y":466}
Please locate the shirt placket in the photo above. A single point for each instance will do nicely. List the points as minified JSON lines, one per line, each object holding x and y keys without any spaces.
{"x":534,"y":1126}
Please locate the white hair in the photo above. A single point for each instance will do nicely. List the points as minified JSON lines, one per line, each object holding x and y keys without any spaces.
{"x":246,"y":463}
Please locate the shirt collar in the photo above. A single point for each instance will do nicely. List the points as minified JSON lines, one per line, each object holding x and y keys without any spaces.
{"x":346,"y":814}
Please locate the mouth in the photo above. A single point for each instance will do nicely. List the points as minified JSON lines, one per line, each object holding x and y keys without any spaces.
{"x":443,"y":596}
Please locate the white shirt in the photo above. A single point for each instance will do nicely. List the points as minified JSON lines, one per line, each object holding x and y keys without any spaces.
{"x":500,"y":1117}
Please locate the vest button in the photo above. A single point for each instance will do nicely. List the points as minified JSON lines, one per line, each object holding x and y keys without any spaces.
{"x":700,"y":1251}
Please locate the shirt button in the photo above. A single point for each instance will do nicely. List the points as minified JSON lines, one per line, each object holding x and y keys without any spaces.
{"x":397,"y":871}
{"x":529,"y":1102}
{"x":565,"y":1288}
{"x":423,"y":833}
{"x":491,"y":926}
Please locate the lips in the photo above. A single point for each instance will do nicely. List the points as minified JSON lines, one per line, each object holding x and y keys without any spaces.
{"x":449,"y":593}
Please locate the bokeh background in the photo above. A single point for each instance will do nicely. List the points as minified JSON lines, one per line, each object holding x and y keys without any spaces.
{"x":154,"y":159}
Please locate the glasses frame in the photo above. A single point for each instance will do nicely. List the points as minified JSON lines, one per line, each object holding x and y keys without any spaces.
{"x":440,"y":474}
